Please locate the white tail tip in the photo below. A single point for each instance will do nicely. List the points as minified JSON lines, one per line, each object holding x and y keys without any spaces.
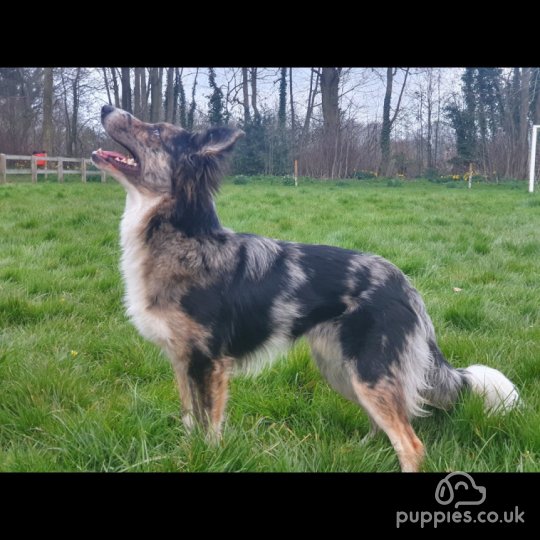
{"x":499,"y":393}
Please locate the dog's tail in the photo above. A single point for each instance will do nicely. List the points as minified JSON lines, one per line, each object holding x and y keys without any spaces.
{"x":445,"y":383}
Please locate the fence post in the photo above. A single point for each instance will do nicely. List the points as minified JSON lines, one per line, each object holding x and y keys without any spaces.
{"x":3,"y":167}
{"x":83,"y":170}
{"x":33,"y":166}
{"x":60,"y":170}
{"x":103,"y":176}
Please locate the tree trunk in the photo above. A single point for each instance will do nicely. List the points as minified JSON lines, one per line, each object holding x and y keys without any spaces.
{"x":137,"y":93}
{"x":190,"y":121}
{"x":144,"y":96}
{"x":386,"y":125}
{"x":310,"y":104}
{"x":293,"y":120}
{"x":47,"y":131}
{"x":330,"y":99}
{"x":181,"y":99}
{"x":282,"y":111}
{"x":330,"y":111}
{"x":245,"y":91}
{"x":254,"y":93}
{"x":106,"y":79}
{"x":126,"y":89}
{"x":437,"y":126}
{"x":115,"y":87}
{"x":169,"y":100}
{"x":429,"y":146}
{"x":536,"y":117}
{"x":176,"y":94}
{"x":387,"y":121}
{"x":523,"y":120}
{"x":156,"y":82}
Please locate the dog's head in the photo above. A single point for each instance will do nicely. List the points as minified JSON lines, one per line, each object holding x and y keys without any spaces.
{"x":165,"y":159}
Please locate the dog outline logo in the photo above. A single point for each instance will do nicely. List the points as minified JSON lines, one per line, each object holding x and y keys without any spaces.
{"x":446,"y":491}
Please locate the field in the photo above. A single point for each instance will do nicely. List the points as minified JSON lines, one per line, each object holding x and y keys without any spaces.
{"x":81,"y":391}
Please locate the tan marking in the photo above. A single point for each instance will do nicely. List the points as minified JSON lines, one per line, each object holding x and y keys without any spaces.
{"x":219,"y":392}
{"x":384,"y":403}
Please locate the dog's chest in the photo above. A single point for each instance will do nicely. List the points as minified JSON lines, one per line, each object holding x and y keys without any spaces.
{"x":135,"y":257}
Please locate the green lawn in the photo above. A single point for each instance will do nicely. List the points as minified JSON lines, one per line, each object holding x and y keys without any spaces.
{"x":81,"y":391}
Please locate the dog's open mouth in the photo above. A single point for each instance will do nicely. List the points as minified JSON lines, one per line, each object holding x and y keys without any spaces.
{"x":123,"y":163}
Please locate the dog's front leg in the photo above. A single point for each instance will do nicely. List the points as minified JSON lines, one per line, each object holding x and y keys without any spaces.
{"x":203,"y":386}
{"x":184,"y":389}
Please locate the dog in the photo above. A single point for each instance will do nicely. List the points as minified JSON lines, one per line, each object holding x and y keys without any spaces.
{"x":216,"y":301}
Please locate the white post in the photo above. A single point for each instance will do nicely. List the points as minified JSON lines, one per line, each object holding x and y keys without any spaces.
{"x":533,"y":158}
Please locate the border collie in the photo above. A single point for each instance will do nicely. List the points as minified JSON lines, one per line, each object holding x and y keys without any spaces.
{"x":216,"y":301}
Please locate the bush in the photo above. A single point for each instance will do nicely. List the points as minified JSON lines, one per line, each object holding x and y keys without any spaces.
{"x":240,"y":180}
{"x":364,"y":175}
{"x":431,"y":174}
{"x":394,"y":183}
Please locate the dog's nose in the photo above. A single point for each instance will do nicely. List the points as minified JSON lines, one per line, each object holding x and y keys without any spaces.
{"x":105,"y":110}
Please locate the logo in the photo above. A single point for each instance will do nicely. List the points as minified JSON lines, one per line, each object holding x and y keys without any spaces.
{"x":461,"y":488}
{"x":458,"y":488}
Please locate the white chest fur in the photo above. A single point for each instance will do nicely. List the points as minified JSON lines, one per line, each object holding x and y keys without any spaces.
{"x":135,"y":255}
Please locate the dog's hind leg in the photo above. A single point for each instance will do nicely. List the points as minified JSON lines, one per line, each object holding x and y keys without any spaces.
{"x":384,"y":398}
{"x":384,"y":404}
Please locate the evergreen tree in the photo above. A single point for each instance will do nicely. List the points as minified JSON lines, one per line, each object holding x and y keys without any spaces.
{"x":215,"y":101}
{"x":181,"y":96}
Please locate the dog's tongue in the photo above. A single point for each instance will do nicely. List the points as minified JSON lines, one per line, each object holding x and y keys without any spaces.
{"x":109,"y":154}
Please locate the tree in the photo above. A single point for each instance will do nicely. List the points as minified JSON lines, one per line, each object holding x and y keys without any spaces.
{"x":126,"y":89}
{"x":169,"y":96}
{"x":115,"y":87}
{"x":282,"y":112}
{"x":331,"y":117}
{"x":535,"y":92}
{"x":253,"y":78}
{"x":156,"y":85}
{"x":137,"y":109}
{"x":291,"y":101}
{"x":71,"y":85}
{"x":180,"y":98}
{"x":524,"y":121}
{"x":47,"y":131}
{"x":245,"y":93}
{"x":389,"y":118}
{"x":192,"y":106}
{"x":215,"y":102}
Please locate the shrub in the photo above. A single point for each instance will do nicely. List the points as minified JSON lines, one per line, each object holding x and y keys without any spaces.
{"x":364,"y":175}
{"x":240,"y":180}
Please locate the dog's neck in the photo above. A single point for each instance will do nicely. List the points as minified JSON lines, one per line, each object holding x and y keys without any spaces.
{"x":195,"y":217}
{"x":190,"y":218}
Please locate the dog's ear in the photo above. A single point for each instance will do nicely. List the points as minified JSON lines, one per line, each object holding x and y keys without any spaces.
{"x":218,"y":141}
{"x":205,"y":160}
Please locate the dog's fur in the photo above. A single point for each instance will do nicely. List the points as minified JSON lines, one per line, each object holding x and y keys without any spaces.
{"x":216,"y":301}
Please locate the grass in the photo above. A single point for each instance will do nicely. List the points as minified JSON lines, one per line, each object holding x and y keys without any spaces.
{"x":81,"y":391}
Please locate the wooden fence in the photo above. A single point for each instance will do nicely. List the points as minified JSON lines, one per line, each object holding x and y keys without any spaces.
{"x":60,"y":170}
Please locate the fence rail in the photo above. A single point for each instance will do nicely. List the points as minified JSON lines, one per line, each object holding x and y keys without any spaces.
{"x":34,"y":170}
